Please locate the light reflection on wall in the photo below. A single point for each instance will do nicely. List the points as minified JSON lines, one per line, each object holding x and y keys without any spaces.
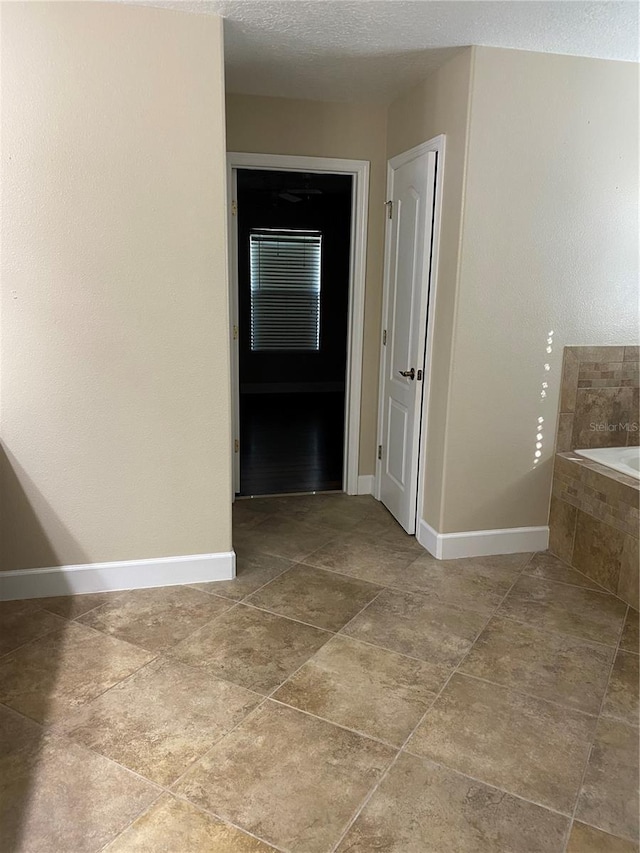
{"x":544,"y":387}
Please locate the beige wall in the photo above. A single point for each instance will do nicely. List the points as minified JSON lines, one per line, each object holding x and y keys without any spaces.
{"x":439,"y":105}
{"x":115,"y":397}
{"x":348,"y":131}
{"x":549,"y":242}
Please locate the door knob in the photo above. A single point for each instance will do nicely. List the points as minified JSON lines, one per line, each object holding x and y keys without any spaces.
{"x":410,"y":373}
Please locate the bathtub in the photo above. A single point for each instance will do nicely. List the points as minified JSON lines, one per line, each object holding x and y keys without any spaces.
{"x":623,"y":459}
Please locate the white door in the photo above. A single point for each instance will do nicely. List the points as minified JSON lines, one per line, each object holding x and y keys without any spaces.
{"x":407,"y":262}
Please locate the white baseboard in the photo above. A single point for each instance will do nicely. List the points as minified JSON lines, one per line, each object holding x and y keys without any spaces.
{"x":118,"y":575}
{"x":366,"y":483}
{"x":482,"y":543}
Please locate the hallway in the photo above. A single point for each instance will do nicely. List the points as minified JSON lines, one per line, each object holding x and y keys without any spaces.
{"x":347,"y":692}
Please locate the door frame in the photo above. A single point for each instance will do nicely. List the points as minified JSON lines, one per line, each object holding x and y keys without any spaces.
{"x":428,"y":310}
{"x":359,"y":171}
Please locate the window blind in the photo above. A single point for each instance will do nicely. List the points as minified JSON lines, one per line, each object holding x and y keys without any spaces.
{"x":285,"y":290}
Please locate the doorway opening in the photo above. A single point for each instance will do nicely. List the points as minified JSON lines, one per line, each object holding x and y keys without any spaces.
{"x":294,"y":232}
{"x":297,"y":247}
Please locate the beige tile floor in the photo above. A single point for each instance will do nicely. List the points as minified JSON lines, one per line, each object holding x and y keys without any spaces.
{"x":346,"y":693}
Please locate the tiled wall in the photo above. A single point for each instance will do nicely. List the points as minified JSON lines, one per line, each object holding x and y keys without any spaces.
{"x":594,"y":516}
{"x":599,"y":395}
{"x":593,"y":523}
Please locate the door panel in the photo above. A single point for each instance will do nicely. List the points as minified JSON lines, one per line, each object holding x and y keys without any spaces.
{"x":408,"y":249}
{"x":397,"y":432}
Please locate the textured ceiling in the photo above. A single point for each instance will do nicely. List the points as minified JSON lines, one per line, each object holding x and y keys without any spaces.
{"x":371,"y":50}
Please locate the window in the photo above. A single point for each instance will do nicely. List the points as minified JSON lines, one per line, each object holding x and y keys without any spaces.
{"x":285,"y":290}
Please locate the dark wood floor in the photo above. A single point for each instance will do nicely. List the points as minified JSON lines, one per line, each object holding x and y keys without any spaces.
{"x":291,"y":443}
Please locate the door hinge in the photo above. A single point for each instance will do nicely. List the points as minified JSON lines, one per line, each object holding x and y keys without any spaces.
{"x":384,"y":338}
{"x":235,"y":333}
{"x":236,"y":445}
{"x":379,"y":451}
{"x":234,"y":208}
{"x":389,"y":206}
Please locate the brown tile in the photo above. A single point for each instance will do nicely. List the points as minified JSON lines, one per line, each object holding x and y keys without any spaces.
{"x":631,"y":353}
{"x":249,"y":647}
{"x":621,"y":701}
{"x":60,"y":797}
{"x":156,"y":619}
{"x":72,"y":606}
{"x":383,"y":528}
{"x":569,"y":382}
{"x":246,"y":515}
{"x":51,"y":676}
{"x":342,"y":512}
{"x":614,"y":487}
{"x":324,"y":599}
{"x":598,"y":550}
{"x":562,"y":525}
{"x":612,"y":374}
{"x":628,"y":585}
{"x":423,"y":808}
{"x":476,"y":583}
{"x":609,"y":797}
{"x":291,"y":779}
{"x":584,"y":613}
{"x":291,"y":507}
{"x":548,"y":665}
{"x":630,"y":640}
{"x":599,"y":354}
{"x":17,"y":733}
{"x":172,"y":825}
{"x":373,"y":691}
{"x":548,"y":567}
{"x":604,"y":407}
{"x":564,"y":433}
{"x":568,"y":467}
{"x":361,"y":559}
{"x":413,"y":624}
{"x":252,"y":572}
{"x":586,"y":839}
{"x":283,"y":537}
{"x":525,"y":746}
{"x":23,"y":621}
{"x":161,"y":719}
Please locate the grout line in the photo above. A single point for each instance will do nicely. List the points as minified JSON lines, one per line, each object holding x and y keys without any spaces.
{"x":383,"y":649}
{"x":42,"y":726}
{"x":168,"y":789}
{"x":327,"y":721}
{"x":544,"y":629}
{"x":233,"y":605}
{"x":166,"y":654}
{"x":593,"y":738}
{"x":143,"y":811}
{"x":383,"y":776}
{"x":39,"y":637}
{"x":252,"y":606}
{"x":270,"y":844}
{"x":560,"y":705}
{"x":596,"y":588}
{"x":361,"y":611}
{"x":257,"y":589}
{"x":156,"y":655}
{"x":575,"y":530}
{"x":64,"y":737}
{"x":54,"y":725}
{"x":382,"y":546}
